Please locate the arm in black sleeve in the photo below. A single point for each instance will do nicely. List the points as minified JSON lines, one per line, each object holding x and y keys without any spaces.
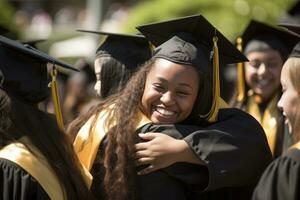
{"x":234,"y":149}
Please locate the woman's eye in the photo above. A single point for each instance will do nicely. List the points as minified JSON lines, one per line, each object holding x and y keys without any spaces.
{"x":255,"y":63}
{"x":158,"y":87}
{"x":182,"y":93}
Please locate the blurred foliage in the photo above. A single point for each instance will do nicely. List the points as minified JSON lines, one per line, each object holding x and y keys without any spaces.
{"x":230,"y":16}
{"x":6,"y":16}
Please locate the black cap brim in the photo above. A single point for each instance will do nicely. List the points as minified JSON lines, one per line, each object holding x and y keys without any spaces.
{"x":292,"y":27}
{"x":137,"y":36}
{"x":256,"y":28}
{"x":32,"y":52}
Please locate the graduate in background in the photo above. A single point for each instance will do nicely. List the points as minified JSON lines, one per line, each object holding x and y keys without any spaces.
{"x":117,"y":58}
{"x":36,"y":159}
{"x":282,"y":178}
{"x":222,"y":156}
{"x":258,"y":84}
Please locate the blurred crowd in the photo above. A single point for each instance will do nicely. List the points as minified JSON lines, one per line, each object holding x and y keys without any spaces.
{"x":176,"y":111}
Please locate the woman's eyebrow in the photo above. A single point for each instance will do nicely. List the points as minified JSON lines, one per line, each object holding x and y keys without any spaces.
{"x":181,"y":84}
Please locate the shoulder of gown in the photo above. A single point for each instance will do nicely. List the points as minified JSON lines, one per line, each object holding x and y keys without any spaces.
{"x":281,"y":179}
{"x":16,"y":183}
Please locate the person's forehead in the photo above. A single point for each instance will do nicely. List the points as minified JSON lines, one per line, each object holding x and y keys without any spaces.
{"x":269,"y":54}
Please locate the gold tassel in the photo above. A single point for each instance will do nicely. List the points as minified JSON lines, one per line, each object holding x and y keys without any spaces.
{"x":151,"y":46}
{"x":212,"y":115}
{"x":55,"y":99}
{"x":240,"y":75}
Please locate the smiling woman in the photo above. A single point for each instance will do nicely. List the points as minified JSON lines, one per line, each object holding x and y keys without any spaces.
{"x":169,"y":94}
{"x":267,"y":48}
{"x":281,"y":179}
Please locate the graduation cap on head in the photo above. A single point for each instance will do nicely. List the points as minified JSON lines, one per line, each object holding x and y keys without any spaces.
{"x":130,"y":50}
{"x":292,"y":27}
{"x":192,"y":40}
{"x":296,"y":51}
{"x":295,"y":9}
{"x":259,"y":36}
{"x":296,"y":29}
{"x":25,"y":73}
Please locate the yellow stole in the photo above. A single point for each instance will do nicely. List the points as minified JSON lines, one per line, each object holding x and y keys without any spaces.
{"x":36,"y":165}
{"x":86,"y":145}
{"x":295,"y":146}
{"x":268,"y":120}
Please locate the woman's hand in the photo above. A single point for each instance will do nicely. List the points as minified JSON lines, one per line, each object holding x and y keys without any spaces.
{"x":159,"y":151}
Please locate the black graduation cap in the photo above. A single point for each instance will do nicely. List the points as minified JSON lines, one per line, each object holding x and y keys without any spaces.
{"x":130,"y":50}
{"x":260,"y":36}
{"x":292,"y":27}
{"x":296,"y":29}
{"x":199,"y":29}
{"x":192,"y":40}
{"x":295,"y":9}
{"x":24,"y":70}
{"x":296,"y":51}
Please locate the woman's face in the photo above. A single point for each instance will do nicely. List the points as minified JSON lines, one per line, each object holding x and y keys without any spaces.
{"x":289,"y":101}
{"x":170,"y":92}
{"x":97,"y":68}
{"x":262,"y":73}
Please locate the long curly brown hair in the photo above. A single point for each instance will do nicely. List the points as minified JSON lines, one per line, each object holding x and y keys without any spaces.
{"x":119,"y":181}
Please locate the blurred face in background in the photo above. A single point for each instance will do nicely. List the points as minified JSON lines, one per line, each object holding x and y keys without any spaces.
{"x":262,"y":73}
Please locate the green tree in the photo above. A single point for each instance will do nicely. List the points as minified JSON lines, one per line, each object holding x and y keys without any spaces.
{"x":6,"y":14}
{"x":230,"y":16}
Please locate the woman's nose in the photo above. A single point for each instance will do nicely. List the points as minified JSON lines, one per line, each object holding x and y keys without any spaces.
{"x":262,"y":69}
{"x":167,"y":99}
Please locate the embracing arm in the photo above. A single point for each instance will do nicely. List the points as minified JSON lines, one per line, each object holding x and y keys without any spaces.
{"x":160,"y":151}
{"x":234,"y":149}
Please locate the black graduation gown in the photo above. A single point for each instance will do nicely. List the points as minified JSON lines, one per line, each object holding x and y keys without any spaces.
{"x":235,"y":150}
{"x":281,"y":180}
{"x":17,"y":184}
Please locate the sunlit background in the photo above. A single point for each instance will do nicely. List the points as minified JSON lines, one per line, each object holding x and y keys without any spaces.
{"x":55,"y":22}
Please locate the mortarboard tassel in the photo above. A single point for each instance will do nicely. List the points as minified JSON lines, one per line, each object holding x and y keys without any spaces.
{"x":212,"y":115}
{"x":151,"y":46}
{"x":240,"y":75}
{"x":55,"y":99}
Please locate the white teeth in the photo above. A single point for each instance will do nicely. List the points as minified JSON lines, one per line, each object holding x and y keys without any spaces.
{"x":262,"y":82}
{"x":165,"y":112}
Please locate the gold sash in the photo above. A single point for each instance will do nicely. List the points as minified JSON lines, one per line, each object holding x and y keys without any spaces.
{"x":86,"y":145}
{"x":36,"y":165}
{"x":295,"y":146}
{"x":268,"y":120}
